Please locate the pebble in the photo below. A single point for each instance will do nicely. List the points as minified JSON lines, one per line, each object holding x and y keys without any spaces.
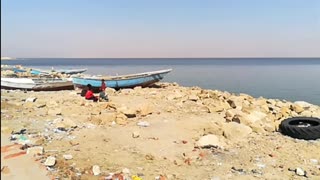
{"x":300,"y":172}
{"x":135,"y":134}
{"x":67,"y":156}
{"x":261,"y":166}
{"x":50,"y":161}
{"x":96,"y":170}
{"x":314,"y":161}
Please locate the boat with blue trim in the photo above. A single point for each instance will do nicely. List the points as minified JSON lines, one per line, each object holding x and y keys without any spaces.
{"x":123,"y":81}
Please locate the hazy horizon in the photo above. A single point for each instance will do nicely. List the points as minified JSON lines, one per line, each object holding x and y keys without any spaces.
{"x":166,"y":29}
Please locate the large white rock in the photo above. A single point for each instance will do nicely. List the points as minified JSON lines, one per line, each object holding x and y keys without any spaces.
{"x":303,"y":104}
{"x":31,"y":99}
{"x":35,"y":150}
{"x":236,"y":131}
{"x":210,"y":140}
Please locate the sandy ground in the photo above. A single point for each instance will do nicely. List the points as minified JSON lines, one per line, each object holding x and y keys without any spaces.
{"x":20,"y":167}
{"x":98,"y":134}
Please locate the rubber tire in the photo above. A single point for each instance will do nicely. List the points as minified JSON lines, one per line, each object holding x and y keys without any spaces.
{"x":288,"y":128}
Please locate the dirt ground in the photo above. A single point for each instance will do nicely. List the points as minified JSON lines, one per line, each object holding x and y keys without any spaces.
{"x":107,"y":134}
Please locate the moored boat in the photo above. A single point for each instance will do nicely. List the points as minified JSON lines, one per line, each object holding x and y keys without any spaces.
{"x":62,"y":71}
{"x":37,"y":84}
{"x":122,"y":81}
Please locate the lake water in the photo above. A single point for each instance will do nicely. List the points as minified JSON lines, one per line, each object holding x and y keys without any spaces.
{"x":292,"y":79}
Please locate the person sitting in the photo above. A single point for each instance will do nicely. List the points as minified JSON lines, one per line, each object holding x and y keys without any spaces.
{"x":83,"y":92}
{"x":89,"y":94}
{"x":102,"y":95}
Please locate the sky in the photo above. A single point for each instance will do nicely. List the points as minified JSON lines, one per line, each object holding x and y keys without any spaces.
{"x":160,"y":28}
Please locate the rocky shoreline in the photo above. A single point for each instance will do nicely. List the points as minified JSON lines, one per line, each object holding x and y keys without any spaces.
{"x":162,"y":132}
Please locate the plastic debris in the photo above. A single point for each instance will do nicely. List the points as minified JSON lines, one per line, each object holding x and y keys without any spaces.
{"x":143,"y":124}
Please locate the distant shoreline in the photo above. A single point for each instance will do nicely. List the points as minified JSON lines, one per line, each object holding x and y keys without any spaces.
{"x":7,"y":58}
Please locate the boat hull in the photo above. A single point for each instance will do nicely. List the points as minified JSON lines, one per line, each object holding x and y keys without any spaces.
{"x":119,"y":82}
{"x":35,"y":84}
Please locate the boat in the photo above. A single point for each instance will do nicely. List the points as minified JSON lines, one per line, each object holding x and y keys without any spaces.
{"x":37,"y":84}
{"x":61,"y":71}
{"x":123,"y":81}
{"x":71,"y":71}
{"x":47,"y":72}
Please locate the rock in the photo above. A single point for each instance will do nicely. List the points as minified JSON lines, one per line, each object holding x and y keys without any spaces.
{"x":130,"y":113}
{"x":280,"y":104}
{"x":67,"y":156}
{"x":300,"y":172}
{"x":121,"y":119}
{"x":257,"y":128}
{"x":50,"y":161}
{"x":107,"y":117}
{"x":303,"y":104}
{"x":298,"y":109}
{"x":314,"y":161}
{"x":31,"y":99}
{"x":175,"y":95}
{"x":96,"y":170}
{"x":143,"y":124}
{"x":37,"y":150}
{"x":126,"y":171}
{"x":256,"y":116}
{"x":285,"y":111}
{"x":306,"y":113}
{"x":235,"y":131}
{"x":212,"y":109}
{"x":145,"y":109}
{"x":236,"y":101}
{"x":5,"y":170}
{"x":149,"y":157}
{"x":214,"y":127}
{"x":232,"y":112}
{"x":210,"y":140}
{"x":135,"y":134}
{"x":193,"y":97}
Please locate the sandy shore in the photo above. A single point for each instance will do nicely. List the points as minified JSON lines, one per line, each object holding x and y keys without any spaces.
{"x":163,"y":132}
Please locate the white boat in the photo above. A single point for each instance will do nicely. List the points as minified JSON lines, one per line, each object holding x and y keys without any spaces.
{"x":37,"y":84}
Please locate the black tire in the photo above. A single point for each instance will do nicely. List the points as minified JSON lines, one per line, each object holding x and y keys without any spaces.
{"x":307,"y":128}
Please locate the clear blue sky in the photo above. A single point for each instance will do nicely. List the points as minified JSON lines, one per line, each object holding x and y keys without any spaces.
{"x":160,"y":28}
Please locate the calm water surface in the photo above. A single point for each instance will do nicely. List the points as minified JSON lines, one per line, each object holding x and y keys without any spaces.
{"x":285,"y":78}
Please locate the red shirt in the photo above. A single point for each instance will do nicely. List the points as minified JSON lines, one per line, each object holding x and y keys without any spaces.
{"x":89,"y":94}
{"x":103,"y":86}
